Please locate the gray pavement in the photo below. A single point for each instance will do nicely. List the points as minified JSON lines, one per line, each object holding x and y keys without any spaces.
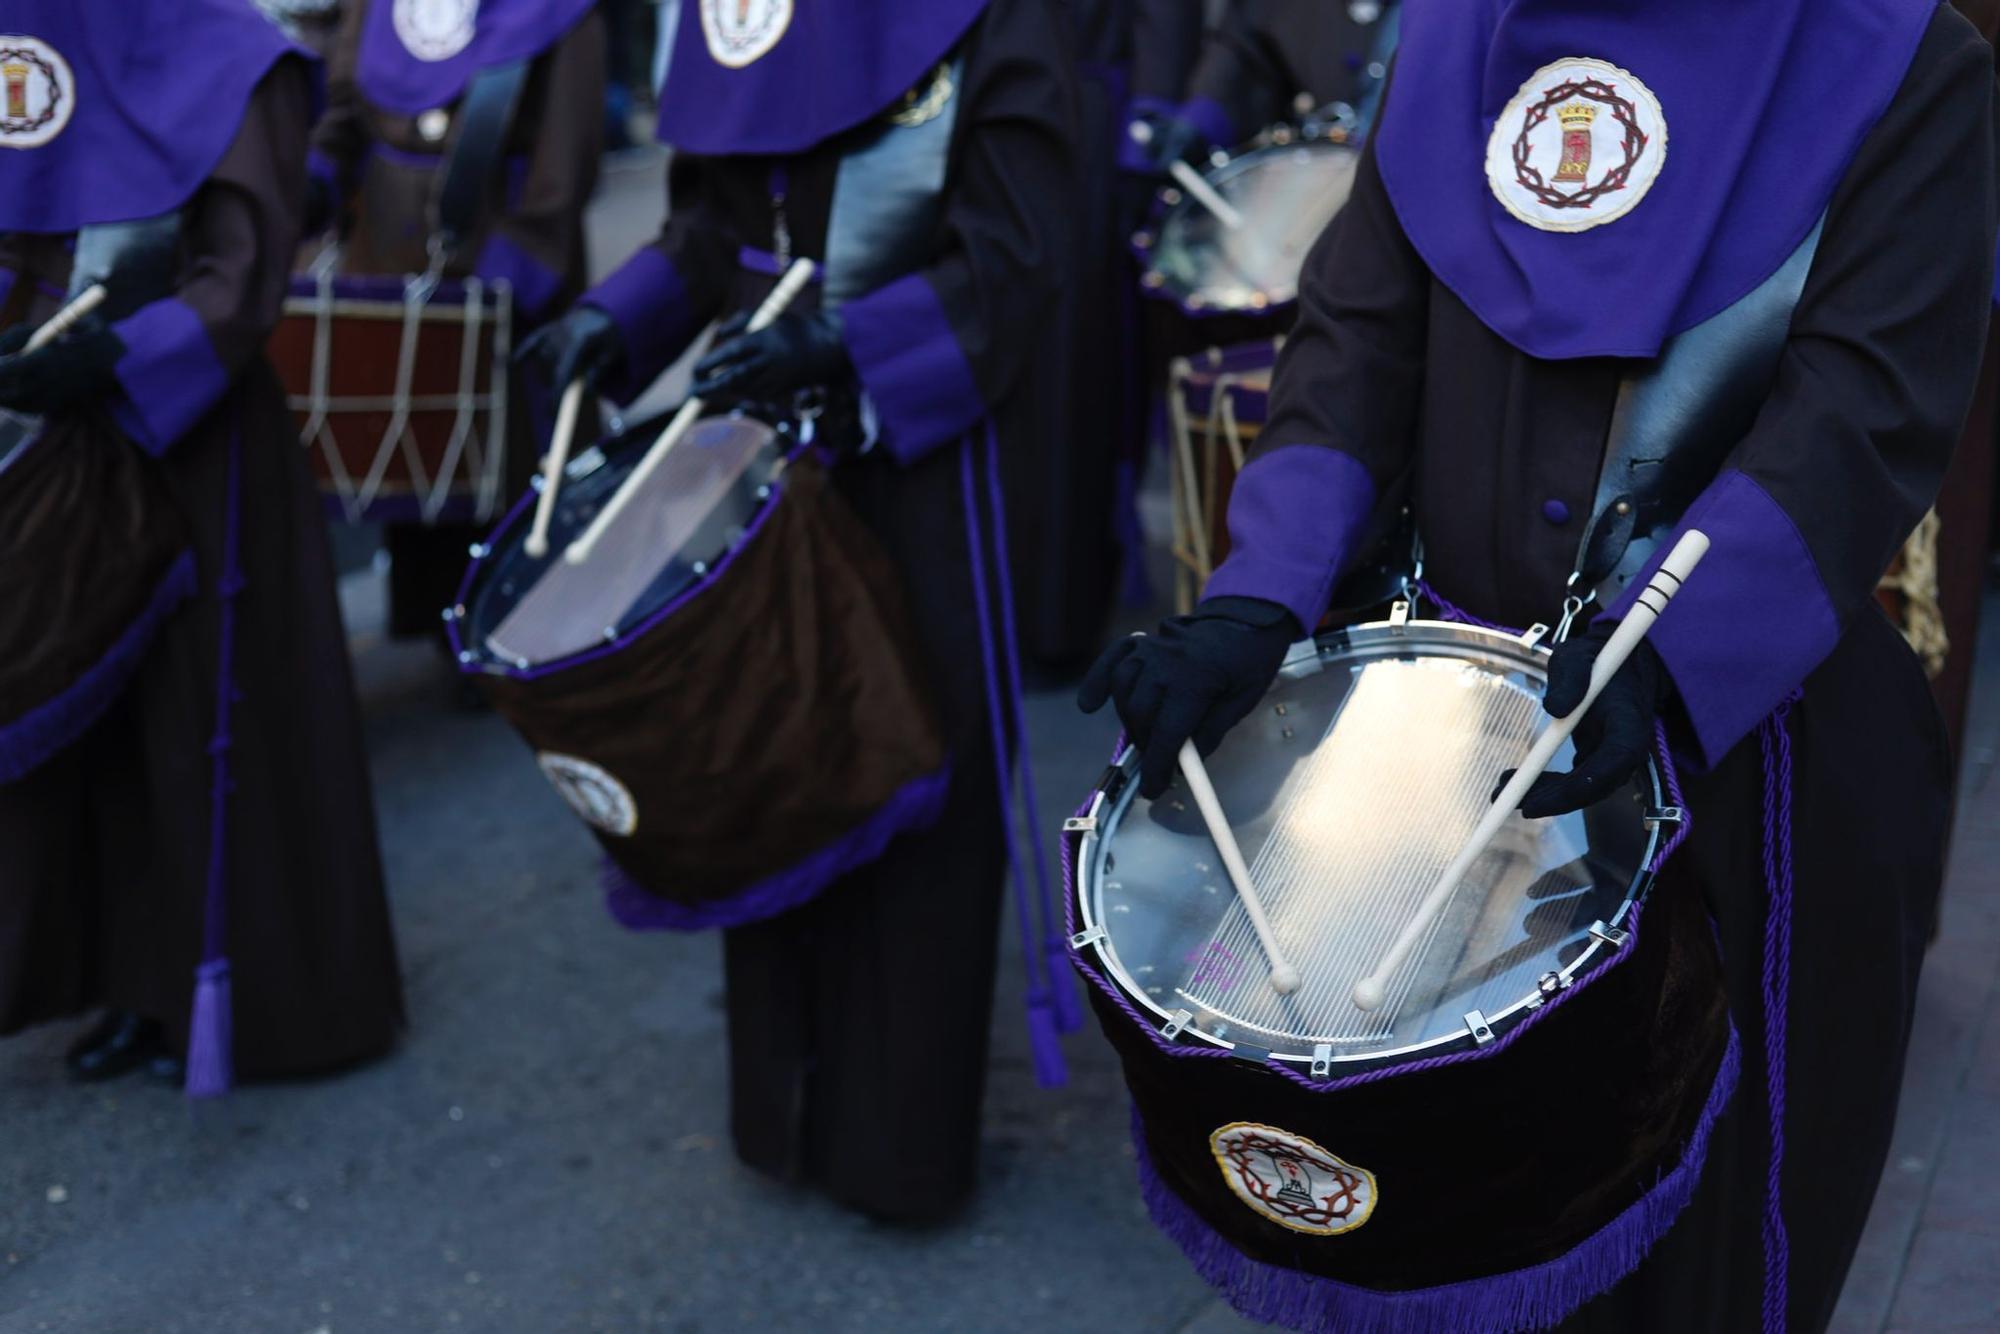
{"x":548,"y":1150}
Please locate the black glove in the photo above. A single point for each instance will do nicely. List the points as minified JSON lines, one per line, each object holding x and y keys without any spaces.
{"x":14,"y":338}
{"x":1174,"y":139}
{"x":1198,"y":677}
{"x":1613,"y":739}
{"x":584,"y":342}
{"x":795,"y":352}
{"x":75,"y":369}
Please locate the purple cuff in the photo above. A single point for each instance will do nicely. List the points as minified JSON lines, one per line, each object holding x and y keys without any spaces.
{"x":1295,"y":518}
{"x":1751,"y":623}
{"x":1134,"y":156}
{"x":910,"y":363}
{"x":648,"y":300}
{"x":1207,"y":115}
{"x":169,"y":373}
{"x":535,"y":287}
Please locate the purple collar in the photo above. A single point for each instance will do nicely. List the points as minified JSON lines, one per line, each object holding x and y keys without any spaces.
{"x":1593,"y":176}
{"x":111,"y":111}
{"x":778,"y":76}
{"x":420,"y":54}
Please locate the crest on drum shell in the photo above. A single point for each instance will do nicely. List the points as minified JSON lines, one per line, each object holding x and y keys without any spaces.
{"x":436,"y":29}
{"x":37,"y":92}
{"x":600,"y":800}
{"x":1292,"y":1181}
{"x":1578,"y":146}
{"x":742,"y":32}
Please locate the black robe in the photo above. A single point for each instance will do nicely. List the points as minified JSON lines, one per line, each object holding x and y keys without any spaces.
{"x":1501,"y":453}
{"x":1268,"y":60}
{"x":106,"y":847}
{"x":858,"y":1023}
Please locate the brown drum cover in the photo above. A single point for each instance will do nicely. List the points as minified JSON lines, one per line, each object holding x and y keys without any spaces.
{"x":774,"y":714}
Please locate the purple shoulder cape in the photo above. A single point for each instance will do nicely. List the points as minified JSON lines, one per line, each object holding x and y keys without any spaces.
{"x":778,"y":76}
{"x":1653,"y":162}
{"x":111,"y":110}
{"x":420,"y":54}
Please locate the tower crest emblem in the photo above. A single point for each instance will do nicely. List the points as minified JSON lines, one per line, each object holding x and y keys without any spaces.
{"x":436,"y":29}
{"x":1578,"y":146}
{"x":1292,"y":1181}
{"x":37,"y":92}
{"x":742,"y":32}
{"x":603,"y":803}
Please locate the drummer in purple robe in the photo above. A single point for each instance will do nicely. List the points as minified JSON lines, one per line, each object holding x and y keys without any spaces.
{"x":399,"y":82}
{"x":208,"y":834}
{"x":1611,"y":271}
{"x":858,"y":1022}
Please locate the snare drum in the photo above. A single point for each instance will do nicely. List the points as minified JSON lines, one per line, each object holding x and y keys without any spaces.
{"x":728,"y":692}
{"x":1288,"y":185}
{"x":400,"y":390}
{"x":1528,"y":1112}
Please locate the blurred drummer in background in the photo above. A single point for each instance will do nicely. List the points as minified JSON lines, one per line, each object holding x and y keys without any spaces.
{"x":858,"y":1022}
{"x":398,"y":79}
{"x":1491,"y":328}
{"x":218,"y":815}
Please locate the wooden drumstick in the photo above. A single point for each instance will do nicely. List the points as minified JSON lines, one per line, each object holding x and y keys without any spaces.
{"x":552,"y":468}
{"x":1205,"y":195}
{"x":1284,"y":977}
{"x":782,"y":295}
{"x":67,"y":318}
{"x":1370,"y":991}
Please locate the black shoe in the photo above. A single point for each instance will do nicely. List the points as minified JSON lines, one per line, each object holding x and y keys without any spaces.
{"x":121,"y":1042}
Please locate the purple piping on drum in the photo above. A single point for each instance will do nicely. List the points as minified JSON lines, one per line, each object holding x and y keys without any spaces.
{"x":1670,"y":778}
{"x":1069,"y":1013}
{"x":1531,"y":1298}
{"x":913,"y":806}
{"x":210,"y":1063}
{"x":1044,"y":1031}
{"x":1776,"y":742}
{"x":28,"y":741}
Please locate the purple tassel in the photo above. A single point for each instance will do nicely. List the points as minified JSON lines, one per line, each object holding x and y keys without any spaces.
{"x":1045,"y":1036}
{"x":211,"y":1036}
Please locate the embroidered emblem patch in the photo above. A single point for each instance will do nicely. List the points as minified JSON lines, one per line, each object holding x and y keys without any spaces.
{"x":1291,"y":1180}
{"x":436,"y":29}
{"x":1579,"y":146}
{"x":593,"y":794}
{"x":742,"y":32}
{"x":37,"y":92}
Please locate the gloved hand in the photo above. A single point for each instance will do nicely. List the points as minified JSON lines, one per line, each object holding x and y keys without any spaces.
{"x":1170,"y":139}
{"x":584,"y":342}
{"x":76,"y":368}
{"x":1613,"y":739}
{"x":796,"y":351}
{"x":1198,"y":677}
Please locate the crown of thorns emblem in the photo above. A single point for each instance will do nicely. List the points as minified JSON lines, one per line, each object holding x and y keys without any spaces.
{"x":1625,"y":112}
{"x":1314,"y":1191}
{"x":14,"y":120}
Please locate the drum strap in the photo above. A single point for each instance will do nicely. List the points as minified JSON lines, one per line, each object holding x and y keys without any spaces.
{"x":1677,"y":418}
{"x":485,"y":119}
{"x":888,"y":195}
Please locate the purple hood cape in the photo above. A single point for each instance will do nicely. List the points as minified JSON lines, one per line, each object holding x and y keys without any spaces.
{"x":1765,"y":104}
{"x":420,"y":54}
{"x":778,"y":76}
{"x":111,"y":111}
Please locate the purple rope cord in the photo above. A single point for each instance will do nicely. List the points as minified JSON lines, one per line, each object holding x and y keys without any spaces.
{"x":210,"y":1067}
{"x":1776,"y":742}
{"x":1068,"y":1011}
{"x":1452,"y":612}
{"x":1044,"y":1037}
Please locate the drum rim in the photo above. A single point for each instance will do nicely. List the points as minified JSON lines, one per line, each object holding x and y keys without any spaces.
{"x":478,"y":662}
{"x":1091,"y":942}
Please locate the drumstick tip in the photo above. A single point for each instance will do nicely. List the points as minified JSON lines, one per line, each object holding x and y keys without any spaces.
{"x":1369,"y":993}
{"x":536,"y":547}
{"x":1284,"y":979}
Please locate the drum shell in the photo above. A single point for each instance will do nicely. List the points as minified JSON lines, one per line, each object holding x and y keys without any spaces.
{"x":773,"y":713}
{"x":1483,"y":1166}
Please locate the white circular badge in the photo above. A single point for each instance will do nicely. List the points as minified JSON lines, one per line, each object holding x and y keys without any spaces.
{"x":436,"y":29}
{"x":742,"y":32}
{"x":37,"y":92}
{"x":1291,"y":1180}
{"x":604,"y":803}
{"x":1579,"y":146}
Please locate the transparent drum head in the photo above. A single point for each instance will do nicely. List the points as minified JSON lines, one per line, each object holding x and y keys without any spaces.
{"x":1287,"y":195}
{"x":1350,"y":789}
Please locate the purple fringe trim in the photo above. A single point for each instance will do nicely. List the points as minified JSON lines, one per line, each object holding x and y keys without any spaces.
{"x":913,"y":806}
{"x":1776,"y":742}
{"x":30,"y":740}
{"x":1530,"y":1298}
{"x":211,"y":1067}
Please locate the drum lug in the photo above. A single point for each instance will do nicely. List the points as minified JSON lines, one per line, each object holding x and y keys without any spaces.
{"x":1083,"y":940}
{"x":1399,"y":614}
{"x":1534,"y":635}
{"x":1613,"y":936}
{"x":1551,"y":985}
{"x":1475,"y":1024}
{"x":453,"y":613}
{"x":1176,"y":1023}
{"x":1322,"y":1060}
{"x":1080,"y":824}
{"x":1660,"y":815}
{"x":478,"y":551}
